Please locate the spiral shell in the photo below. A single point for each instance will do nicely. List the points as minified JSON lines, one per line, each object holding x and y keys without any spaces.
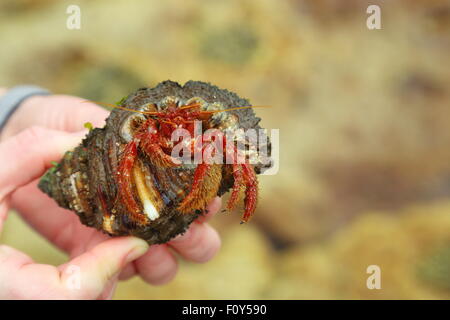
{"x":84,"y":180}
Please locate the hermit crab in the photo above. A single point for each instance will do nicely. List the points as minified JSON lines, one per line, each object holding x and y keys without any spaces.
{"x":132,"y":177}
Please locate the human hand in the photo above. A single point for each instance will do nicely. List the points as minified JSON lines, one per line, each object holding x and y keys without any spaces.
{"x":62,"y":228}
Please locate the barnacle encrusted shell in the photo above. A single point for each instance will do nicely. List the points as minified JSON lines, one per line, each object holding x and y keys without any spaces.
{"x":89,"y":169}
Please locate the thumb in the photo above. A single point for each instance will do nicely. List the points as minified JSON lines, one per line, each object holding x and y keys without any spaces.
{"x":86,"y":276}
{"x":27,"y":155}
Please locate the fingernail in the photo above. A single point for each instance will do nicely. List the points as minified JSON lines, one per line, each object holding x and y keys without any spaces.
{"x":138,"y":250}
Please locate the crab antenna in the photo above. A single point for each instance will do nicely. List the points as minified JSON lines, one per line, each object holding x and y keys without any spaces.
{"x":120,"y":107}
{"x":183,"y":107}
{"x":189,"y":106}
{"x":236,"y":108}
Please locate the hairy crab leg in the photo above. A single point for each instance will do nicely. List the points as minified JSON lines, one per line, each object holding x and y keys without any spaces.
{"x":151,"y":145}
{"x":251,"y":191}
{"x":125,"y":183}
{"x":206,"y":183}
{"x":237,"y":187}
{"x":156,"y":154}
{"x":237,"y":175}
{"x":200,"y":173}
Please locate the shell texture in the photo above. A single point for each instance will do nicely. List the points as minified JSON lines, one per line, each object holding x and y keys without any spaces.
{"x":85,"y":179}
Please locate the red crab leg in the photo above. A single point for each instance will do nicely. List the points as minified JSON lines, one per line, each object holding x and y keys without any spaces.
{"x":199,"y":175}
{"x":237,"y":175}
{"x":251,"y":191}
{"x":237,"y":186}
{"x":156,"y":153}
{"x":125,"y":183}
{"x":150,"y":144}
{"x":145,"y":138}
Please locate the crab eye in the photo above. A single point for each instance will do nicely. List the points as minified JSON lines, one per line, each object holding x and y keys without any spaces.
{"x":130,"y":125}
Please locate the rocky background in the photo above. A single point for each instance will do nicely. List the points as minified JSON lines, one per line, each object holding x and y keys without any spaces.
{"x":364,"y":119}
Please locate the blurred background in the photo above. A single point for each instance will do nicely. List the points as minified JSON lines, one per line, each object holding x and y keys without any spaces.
{"x":364,"y":119}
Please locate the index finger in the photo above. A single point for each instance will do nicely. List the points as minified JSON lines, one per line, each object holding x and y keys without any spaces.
{"x":81,"y":111}
{"x":28,"y":154}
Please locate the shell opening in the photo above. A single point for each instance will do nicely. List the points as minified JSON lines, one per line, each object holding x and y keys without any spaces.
{"x":129,"y":125}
